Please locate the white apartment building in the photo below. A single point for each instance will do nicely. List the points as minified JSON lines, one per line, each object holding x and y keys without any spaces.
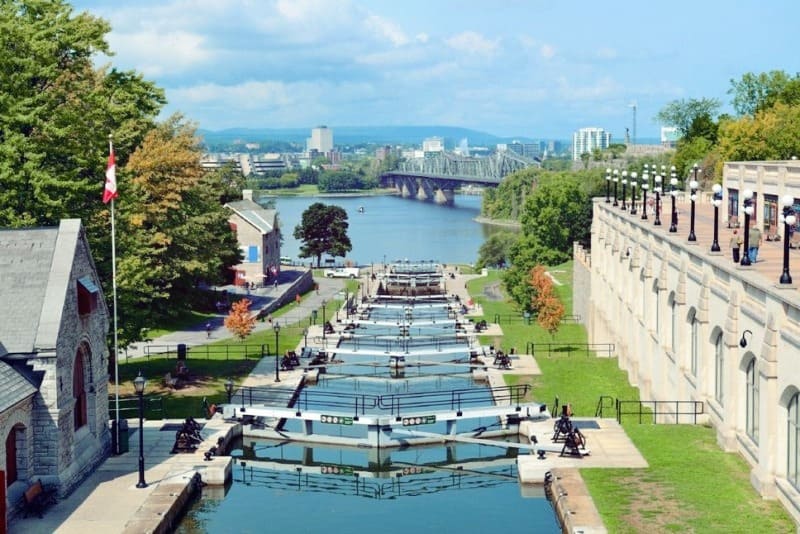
{"x":321,"y":140}
{"x":587,"y":139}
{"x":433,"y":144}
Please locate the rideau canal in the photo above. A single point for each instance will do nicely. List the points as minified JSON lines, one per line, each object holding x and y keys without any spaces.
{"x":282,"y":486}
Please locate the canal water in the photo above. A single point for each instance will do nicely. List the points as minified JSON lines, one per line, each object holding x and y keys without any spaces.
{"x":394,"y":228}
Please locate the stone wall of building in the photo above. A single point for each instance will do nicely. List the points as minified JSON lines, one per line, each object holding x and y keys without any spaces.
{"x":581,"y":284}
{"x":676,"y":315}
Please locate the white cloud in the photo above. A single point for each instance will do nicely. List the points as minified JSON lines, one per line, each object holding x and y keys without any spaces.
{"x":547,"y":51}
{"x":156,"y":54}
{"x":603,"y":88}
{"x":473,"y":43}
{"x":385,"y":29}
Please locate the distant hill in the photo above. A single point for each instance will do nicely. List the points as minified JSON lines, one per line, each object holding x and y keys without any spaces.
{"x":356,"y":135}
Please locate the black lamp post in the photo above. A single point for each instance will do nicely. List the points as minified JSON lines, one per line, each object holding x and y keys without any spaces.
{"x":789,"y":220}
{"x":229,"y":389}
{"x":692,"y":197}
{"x":633,"y":193}
{"x":657,"y":189}
{"x":277,"y":328}
{"x":645,"y":187}
{"x":748,"y":210}
{"x":624,"y":190}
{"x":673,"y":226}
{"x":323,"y":321}
{"x":305,"y":337}
{"x":608,"y":186}
{"x":716,"y":201}
{"x":138,"y":383}
{"x":616,"y":182}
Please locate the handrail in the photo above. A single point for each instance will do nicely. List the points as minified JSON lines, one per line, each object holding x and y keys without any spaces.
{"x":601,"y":405}
{"x":153,"y":403}
{"x":250,"y":350}
{"x":653,"y":408}
{"x":452,"y":399}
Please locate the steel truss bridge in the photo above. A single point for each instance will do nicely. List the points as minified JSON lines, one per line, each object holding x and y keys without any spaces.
{"x":436,"y":178}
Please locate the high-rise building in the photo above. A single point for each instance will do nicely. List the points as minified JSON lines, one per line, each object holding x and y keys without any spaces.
{"x":321,"y":140}
{"x":587,"y":139}
{"x":433,"y":144}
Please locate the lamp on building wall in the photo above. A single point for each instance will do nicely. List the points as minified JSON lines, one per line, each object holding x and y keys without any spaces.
{"x":748,"y":211}
{"x":616,"y":183}
{"x":608,"y":186}
{"x":657,"y":190}
{"x":138,"y":385}
{"x":692,"y":198}
{"x":716,"y":201}
{"x":673,"y":225}
{"x":624,"y":190}
{"x":277,"y":329}
{"x":743,"y":341}
{"x":789,"y":220}
{"x":633,"y":193}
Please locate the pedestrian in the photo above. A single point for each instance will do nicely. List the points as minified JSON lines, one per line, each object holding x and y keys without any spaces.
{"x":275,"y":284}
{"x":208,"y":329}
{"x":754,"y":241}
{"x":297,"y":298}
{"x":736,"y":245}
{"x":316,"y":288}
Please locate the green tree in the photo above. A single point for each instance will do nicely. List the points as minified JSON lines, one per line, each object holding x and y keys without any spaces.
{"x":231,"y":181}
{"x":771,"y":134}
{"x":172,"y":232}
{"x":496,"y":250}
{"x":585,"y":157}
{"x":756,"y":92}
{"x":682,"y":113}
{"x":323,"y":230}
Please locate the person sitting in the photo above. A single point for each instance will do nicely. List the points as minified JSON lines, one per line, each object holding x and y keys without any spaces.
{"x":286,"y":363}
{"x":181,"y":369}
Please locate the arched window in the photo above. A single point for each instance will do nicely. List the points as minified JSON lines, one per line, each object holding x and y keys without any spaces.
{"x":792,"y":439}
{"x":79,"y":391}
{"x":719,"y":369}
{"x":751,"y":415}
{"x":11,"y":457}
{"x":673,"y":342}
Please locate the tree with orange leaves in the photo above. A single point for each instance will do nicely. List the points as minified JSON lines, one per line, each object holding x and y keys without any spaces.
{"x":549,"y":310}
{"x":239,"y":321}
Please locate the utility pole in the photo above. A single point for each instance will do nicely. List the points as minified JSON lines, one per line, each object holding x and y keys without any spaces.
{"x":633,"y":105}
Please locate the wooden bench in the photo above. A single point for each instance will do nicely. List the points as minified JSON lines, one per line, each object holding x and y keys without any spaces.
{"x":36,"y":498}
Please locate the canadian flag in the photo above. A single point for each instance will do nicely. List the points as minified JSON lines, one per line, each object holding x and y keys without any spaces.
{"x":110,"y":191}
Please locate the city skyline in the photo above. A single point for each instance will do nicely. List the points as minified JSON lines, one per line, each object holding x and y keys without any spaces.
{"x":528,"y":69}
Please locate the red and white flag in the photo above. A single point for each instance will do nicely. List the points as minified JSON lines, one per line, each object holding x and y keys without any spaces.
{"x":110,"y":191}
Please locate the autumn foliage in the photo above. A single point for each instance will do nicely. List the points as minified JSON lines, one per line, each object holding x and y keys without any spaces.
{"x":548,"y":308}
{"x":239,"y":321}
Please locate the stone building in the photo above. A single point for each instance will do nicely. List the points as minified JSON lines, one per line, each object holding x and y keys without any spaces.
{"x":705,"y":339}
{"x":53,"y":360}
{"x":259,"y":237}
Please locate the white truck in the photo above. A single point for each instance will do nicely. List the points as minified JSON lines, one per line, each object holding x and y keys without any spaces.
{"x":342,"y":272}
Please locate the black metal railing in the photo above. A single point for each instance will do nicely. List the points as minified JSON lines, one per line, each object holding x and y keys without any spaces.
{"x":456,"y":399}
{"x":605,"y":403}
{"x":569,"y":349}
{"x":303,"y":399}
{"x":129,"y":407}
{"x":651,"y":411}
{"x":236,"y":352}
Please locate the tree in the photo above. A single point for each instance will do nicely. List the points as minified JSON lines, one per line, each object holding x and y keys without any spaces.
{"x":682,"y":113}
{"x":323,"y":230}
{"x":770,"y":135}
{"x":585,"y":157}
{"x":549,"y":310}
{"x":239,"y":321}
{"x":172,"y":232}
{"x":231,"y":181}
{"x":496,"y":250}
{"x":756,"y":92}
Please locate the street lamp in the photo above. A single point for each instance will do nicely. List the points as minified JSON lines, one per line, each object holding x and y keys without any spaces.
{"x":608,"y":186}
{"x":717,"y":200}
{"x":657,"y":189}
{"x":138,"y":383}
{"x":633,"y":193}
{"x":748,"y":211}
{"x":305,"y":337}
{"x":229,"y":389}
{"x":645,"y":187}
{"x":789,"y":219}
{"x":277,"y":328}
{"x":323,"y":321}
{"x":673,"y":226}
{"x":616,"y":183}
{"x":624,"y":187}
{"x":692,"y":197}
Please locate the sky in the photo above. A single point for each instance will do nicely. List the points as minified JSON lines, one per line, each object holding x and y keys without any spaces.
{"x":535,"y":69}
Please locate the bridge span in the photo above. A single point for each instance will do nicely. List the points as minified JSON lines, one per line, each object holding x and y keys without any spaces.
{"x":436,"y":178}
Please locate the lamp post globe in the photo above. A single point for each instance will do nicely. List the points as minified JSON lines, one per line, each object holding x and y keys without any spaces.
{"x":673,"y":226}
{"x":716,"y":201}
{"x":616,"y":182}
{"x":608,"y":186}
{"x":139,"y":384}
{"x":789,"y":220}
{"x":624,"y":206}
{"x":633,"y":193}
{"x":657,"y":190}
{"x":692,"y":198}
{"x":645,"y":187}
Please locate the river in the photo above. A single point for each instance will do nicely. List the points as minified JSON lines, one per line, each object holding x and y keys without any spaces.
{"x":392,"y":228}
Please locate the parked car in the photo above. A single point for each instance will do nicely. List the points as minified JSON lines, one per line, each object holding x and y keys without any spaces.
{"x":342,"y":272}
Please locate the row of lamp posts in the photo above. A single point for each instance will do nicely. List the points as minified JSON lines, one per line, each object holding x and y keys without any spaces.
{"x":788,"y":214}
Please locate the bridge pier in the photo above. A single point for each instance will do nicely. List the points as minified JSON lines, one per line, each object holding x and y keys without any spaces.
{"x":445,"y":197}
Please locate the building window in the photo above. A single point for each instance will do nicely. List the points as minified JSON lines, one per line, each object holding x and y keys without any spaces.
{"x":673,"y":343}
{"x":657,"y":311}
{"x":695,"y":345}
{"x":252,"y":254}
{"x":88,"y":295}
{"x":11,"y":457}
{"x":751,"y":417}
{"x":793,"y":438}
{"x":719,"y":369}
{"x":79,"y":391}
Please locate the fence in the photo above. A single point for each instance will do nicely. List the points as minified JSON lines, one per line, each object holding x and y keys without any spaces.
{"x":651,"y":411}
{"x":129,"y":407}
{"x":549,"y":349}
{"x":527,"y":318}
{"x":237,"y":351}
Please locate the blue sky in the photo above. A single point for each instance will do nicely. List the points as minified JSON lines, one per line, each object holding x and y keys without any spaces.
{"x":512,"y":68}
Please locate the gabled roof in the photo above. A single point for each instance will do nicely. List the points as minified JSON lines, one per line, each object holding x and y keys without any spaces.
{"x":14,"y":387}
{"x":262,"y":219}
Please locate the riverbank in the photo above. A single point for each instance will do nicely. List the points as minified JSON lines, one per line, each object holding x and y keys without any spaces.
{"x":507,"y":223}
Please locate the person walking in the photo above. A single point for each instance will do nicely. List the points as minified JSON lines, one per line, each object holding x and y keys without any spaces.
{"x":754,"y":242}
{"x":736,"y":245}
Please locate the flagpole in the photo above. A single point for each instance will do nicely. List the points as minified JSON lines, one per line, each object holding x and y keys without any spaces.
{"x":114,"y":285}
